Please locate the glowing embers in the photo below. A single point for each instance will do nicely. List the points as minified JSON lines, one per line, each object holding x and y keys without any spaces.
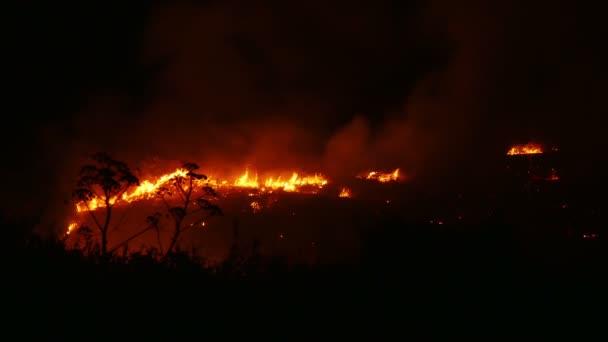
{"x":256,"y":207}
{"x":550,"y":177}
{"x":381,"y":176}
{"x":525,"y":149}
{"x":553,"y":177}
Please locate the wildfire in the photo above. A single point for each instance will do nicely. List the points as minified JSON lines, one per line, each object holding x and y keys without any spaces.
{"x":247,"y":181}
{"x":149,"y":188}
{"x":525,"y":149}
{"x":345,"y":192}
{"x":382,"y":177}
{"x":295,"y":182}
{"x":71,"y":228}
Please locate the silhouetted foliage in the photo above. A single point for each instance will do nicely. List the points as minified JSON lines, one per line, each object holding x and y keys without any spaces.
{"x":193,"y":201}
{"x":106,"y":181}
{"x":497,"y":270}
{"x":418,"y":277}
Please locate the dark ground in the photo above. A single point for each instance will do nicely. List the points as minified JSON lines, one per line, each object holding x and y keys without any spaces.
{"x":410,"y":281}
{"x":521,"y":262}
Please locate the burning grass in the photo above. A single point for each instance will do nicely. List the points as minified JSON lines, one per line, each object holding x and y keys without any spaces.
{"x":525,"y":149}
{"x":183,"y":195}
{"x":297,"y":183}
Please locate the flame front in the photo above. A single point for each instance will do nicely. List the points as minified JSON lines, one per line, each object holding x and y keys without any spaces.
{"x":247,"y":182}
{"x":382,"y":177}
{"x":296,"y":182}
{"x":148,"y":189}
{"x":308,"y":184}
{"x":525,"y":149}
{"x":145,"y":190}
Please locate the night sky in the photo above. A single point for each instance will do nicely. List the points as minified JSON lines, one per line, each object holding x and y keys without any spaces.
{"x":439,"y":88}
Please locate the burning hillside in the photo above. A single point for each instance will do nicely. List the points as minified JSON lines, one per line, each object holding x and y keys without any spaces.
{"x":281,"y":208}
{"x":305,"y":184}
{"x":247,"y":182}
{"x":148,"y":189}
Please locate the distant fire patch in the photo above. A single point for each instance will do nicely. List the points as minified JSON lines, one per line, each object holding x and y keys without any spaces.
{"x":525,"y":149}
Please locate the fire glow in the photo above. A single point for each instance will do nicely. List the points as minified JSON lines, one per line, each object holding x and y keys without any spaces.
{"x":382,"y":177}
{"x":295,"y":183}
{"x":345,"y":193}
{"x":148,"y":189}
{"x":71,"y":228}
{"x":525,"y":149}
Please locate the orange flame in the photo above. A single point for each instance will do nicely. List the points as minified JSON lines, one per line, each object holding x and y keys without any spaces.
{"x":71,"y":228}
{"x":246,"y":182}
{"x":382,"y":177}
{"x":345,"y":192}
{"x":525,"y":149}
{"x":149,"y":188}
{"x":295,"y":182}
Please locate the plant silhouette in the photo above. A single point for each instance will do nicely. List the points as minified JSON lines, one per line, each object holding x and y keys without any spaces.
{"x":193,"y":201}
{"x":106,"y":181}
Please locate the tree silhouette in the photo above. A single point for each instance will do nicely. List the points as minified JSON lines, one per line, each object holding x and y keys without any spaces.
{"x":193,"y":195}
{"x":105,"y":181}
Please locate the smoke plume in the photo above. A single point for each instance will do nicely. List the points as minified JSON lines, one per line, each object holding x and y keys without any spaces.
{"x":437,"y":89}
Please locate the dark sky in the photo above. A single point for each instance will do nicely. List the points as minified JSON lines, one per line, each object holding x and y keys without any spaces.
{"x":432,"y":86}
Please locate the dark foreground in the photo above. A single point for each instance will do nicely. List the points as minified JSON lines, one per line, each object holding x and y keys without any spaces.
{"x":410,"y":281}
